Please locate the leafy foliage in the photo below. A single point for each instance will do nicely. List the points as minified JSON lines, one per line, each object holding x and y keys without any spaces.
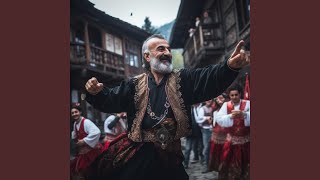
{"x":148,"y":27}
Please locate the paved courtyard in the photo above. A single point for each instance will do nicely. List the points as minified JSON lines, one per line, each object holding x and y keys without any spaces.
{"x":194,"y":170}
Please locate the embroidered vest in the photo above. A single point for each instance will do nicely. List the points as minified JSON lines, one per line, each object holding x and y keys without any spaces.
{"x":238,"y":128}
{"x":81,"y":133}
{"x":174,"y":97}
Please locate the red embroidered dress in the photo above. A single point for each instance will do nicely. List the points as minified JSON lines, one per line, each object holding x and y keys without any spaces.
{"x":218,"y":138}
{"x":86,"y":153}
{"x":235,"y":159}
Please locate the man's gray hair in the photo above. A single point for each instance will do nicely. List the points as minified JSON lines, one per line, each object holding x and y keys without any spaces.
{"x":145,"y":49}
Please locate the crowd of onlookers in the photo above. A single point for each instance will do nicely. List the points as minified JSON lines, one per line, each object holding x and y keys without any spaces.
{"x":220,"y":135}
{"x":85,"y":139}
{"x":205,"y":20}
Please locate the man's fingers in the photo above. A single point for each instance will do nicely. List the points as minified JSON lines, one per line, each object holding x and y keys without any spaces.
{"x":99,"y":85}
{"x":238,"y":48}
{"x":247,"y":58}
{"x":239,"y":45}
{"x":94,"y":81}
{"x":242,"y":54}
{"x":93,"y":86}
{"x":90,"y":83}
{"x":87,"y":86}
{"x":246,"y":61}
{"x":235,"y":58}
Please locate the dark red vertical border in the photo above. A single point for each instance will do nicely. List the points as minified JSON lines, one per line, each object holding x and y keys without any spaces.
{"x":284,"y":90}
{"x":35,"y":90}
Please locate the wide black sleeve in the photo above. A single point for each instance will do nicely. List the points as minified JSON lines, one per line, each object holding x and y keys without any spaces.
{"x":113,"y":100}
{"x":206,"y":83}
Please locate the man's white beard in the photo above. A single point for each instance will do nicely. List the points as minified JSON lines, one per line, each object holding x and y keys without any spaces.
{"x":160,"y":67}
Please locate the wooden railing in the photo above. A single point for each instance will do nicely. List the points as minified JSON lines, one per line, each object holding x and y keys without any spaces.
{"x":107,"y":61}
{"x":212,"y":35}
{"x":100,"y":59}
{"x":205,"y":37}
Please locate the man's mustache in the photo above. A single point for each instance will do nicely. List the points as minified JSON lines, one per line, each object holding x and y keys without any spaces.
{"x":165,"y":57}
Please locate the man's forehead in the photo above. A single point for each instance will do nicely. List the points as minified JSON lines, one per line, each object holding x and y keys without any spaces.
{"x":220,"y":97}
{"x":155,"y":42}
{"x":234,"y":92}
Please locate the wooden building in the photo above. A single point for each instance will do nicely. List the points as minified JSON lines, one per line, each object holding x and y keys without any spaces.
{"x":214,"y":42}
{"x":101,"y":46}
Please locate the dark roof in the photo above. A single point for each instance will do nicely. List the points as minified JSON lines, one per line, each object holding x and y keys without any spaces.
{"x":185,"y":20}
{"x":87,"y":9}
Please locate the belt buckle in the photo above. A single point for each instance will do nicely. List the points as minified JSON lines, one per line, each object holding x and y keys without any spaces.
{"x":163,"y":136}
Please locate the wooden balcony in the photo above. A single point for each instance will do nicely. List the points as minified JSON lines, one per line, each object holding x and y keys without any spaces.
{"x":106,"y":62}
{"x":205,"y":46}
{"x":107,"y":66}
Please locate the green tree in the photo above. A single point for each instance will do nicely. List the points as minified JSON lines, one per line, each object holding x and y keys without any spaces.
{"x":148,"y":27}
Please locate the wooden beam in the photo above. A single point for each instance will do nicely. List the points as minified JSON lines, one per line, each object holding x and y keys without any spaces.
{"x":86,"y":42}
{"x":201,"y":36}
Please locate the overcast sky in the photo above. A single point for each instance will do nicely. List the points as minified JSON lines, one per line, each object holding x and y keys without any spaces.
{"x":159,"y":12}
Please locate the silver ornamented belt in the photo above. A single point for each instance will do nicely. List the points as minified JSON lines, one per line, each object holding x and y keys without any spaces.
{"x":162,"y":133}
{"x":163,"y":136}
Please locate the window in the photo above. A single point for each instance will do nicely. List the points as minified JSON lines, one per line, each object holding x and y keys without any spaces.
{"x":127,"y":59}
{"x":132,"y":59}
{"x":113,"y":44}
{"x":136,"y":63}
{"x":109,"y":42}
{"x":118,"y":46}
{"x":243,"y":13}
{"x":132,"y":54}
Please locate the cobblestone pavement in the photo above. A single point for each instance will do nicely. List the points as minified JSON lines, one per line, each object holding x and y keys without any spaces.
{"x":194,"y":170}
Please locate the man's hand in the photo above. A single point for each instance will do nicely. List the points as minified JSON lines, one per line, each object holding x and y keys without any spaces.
{"x":239,"y":58}
{"x":93,"y":86}
{"x":236,"y":114}
{"x":233,"y":115}
{"x":209,"y":120}
{"x":81,"y":143}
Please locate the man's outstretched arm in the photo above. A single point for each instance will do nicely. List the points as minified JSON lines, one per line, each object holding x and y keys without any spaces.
{"x":108,"y":100}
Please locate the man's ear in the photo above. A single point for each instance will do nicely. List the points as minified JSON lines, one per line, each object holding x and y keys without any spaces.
{"x":146,"y":56}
